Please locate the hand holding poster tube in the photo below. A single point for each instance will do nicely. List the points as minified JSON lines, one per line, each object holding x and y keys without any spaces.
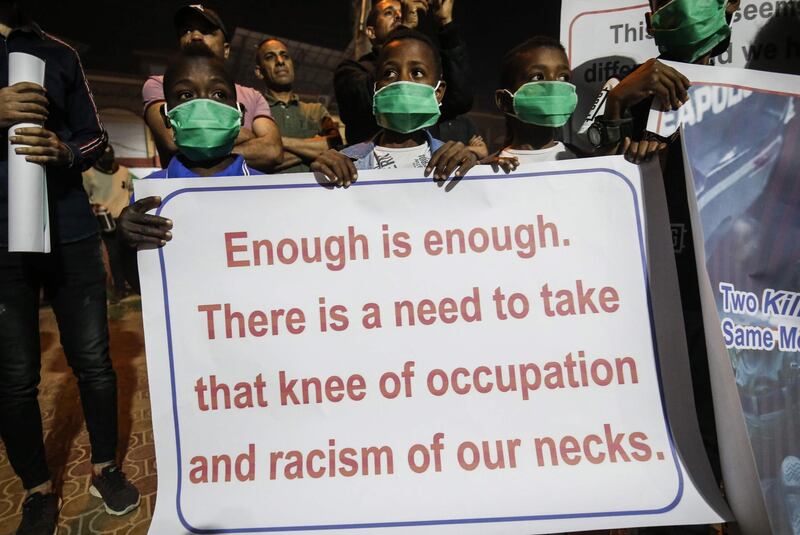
{"x":28,"y":215}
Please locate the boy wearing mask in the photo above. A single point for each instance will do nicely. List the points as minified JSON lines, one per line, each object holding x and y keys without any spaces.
{"x":537,"y":99}
{"x":408,"y":94}
{"x":204,"y":118}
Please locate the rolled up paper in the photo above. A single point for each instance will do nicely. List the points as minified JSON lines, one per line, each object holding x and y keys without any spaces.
{"x":28,"y":214}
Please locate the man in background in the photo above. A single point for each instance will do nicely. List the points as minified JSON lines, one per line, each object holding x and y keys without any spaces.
{"x":306,"y":128}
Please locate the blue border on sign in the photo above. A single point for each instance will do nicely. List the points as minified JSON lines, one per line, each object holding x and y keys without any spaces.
{"x":433,"y":522}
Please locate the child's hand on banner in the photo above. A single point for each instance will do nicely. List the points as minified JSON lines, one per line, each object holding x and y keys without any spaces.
{"x":501,"y":162}
{"x":138,"y":228}
{"x":336,"y":167}
{"x":452,"y":156}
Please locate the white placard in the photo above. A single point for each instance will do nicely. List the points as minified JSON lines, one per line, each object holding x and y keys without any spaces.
{"x":28,"y":214}
{"x":551,"y":287}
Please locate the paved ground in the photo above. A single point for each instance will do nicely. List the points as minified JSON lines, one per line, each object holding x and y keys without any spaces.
{"x":68,"y":443}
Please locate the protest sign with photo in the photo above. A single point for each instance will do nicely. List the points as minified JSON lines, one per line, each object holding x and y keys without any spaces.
{"x":476,"y":357}
{"x":740,"y":136}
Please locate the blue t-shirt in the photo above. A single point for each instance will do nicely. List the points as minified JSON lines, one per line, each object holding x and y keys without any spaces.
{"x":176,"y":169}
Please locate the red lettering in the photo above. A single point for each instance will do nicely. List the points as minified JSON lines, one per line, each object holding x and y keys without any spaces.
{"x":209,"y":310}
{"x":230,"y":249}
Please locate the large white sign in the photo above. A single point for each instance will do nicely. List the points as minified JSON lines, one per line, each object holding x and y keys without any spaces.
{"x":404,"y":357}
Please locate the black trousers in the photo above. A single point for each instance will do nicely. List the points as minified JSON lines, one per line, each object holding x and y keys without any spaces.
{"x":73,"y":278}
{"x":114,"y":260}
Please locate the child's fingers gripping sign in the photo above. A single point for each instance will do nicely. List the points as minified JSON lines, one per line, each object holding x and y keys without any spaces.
{"x":139,"y":228}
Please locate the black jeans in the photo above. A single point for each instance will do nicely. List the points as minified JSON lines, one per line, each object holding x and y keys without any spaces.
{"x":114,"y":260}
{"x":73,"y":278}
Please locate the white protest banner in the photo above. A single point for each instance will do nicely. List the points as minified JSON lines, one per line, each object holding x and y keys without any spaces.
{"x":28,"y":213}
{"x":606,"y":38}
{"x":403,"y":357}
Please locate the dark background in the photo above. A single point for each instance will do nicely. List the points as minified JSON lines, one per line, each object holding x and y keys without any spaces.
{"x":107,"y":32}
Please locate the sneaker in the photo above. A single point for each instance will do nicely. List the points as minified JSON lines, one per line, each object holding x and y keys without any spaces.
{"x":117,"y":493}
{"x":790,"y":473}
{"x":40,"y":514}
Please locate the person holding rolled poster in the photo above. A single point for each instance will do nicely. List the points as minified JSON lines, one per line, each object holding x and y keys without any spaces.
{"x":70,"y":139}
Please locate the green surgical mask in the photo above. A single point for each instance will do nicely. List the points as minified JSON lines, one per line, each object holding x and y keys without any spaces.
{"x":205,"y":129}
{"x":686,"y":30}
{"x":545,"y":103}
{"x":406,"y":107}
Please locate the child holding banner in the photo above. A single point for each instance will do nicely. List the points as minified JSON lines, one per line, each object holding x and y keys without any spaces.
{"x":408,"y":93}
{"x":537,"y":98}
{"x":205,"y":118}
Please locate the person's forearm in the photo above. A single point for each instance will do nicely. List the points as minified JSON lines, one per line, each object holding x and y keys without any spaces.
{"x":260,"y":153}
{"x":306,"y":148}
{"x":289,"y":160}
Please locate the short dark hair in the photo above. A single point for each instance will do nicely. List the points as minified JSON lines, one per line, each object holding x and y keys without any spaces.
{"x":511,"y":61}
{"x":407,"y":34}
{"x":268,"y":39}
{"x":191,"y":52}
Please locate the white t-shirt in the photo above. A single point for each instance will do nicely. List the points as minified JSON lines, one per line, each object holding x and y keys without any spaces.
{"x":557,"y":152}
{"x":402,"y":158}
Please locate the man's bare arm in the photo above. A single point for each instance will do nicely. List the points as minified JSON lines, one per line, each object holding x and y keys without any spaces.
{"x":309,"y":148}
{"x":265,"y":151}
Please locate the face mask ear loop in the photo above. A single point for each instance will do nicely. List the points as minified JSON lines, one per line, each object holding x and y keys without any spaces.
{"x":510,"y":94}
{"x":435,"y":89}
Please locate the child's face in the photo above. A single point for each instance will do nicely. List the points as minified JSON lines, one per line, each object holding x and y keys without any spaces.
{"x":408,"y":60}
{"x":542,"y":65}
{"x":200,"y":78}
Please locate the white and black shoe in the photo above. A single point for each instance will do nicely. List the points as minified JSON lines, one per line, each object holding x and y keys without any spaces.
{"x":118,"y":494}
